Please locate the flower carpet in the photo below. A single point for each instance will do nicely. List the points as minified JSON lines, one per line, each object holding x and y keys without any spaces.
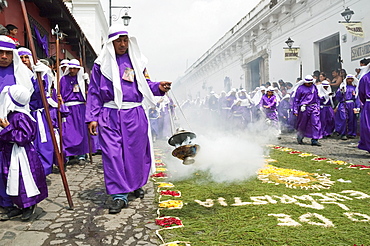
{"x":295,"y":198}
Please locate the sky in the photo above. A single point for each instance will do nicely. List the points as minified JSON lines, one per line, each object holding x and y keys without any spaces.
{"x":173,"y":34}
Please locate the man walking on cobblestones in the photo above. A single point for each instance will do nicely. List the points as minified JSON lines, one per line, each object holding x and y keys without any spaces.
{"x":119,"y":84}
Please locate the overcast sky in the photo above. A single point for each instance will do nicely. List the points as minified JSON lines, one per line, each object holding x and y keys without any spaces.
{"x":173,"y":34}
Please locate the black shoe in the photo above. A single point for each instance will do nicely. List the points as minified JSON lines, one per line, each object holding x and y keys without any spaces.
{"x":28,"y":212}
{"x":139,"y":193}
{"x":11,"y":212}
{"x":343,"y":137}
{"x":350,"y":137}
{"x":117,"y":206}
{"x":300,"y":140}
{"x":315,"y":143}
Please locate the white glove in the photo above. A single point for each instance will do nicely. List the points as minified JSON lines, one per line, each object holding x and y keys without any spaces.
{"x":40,"y":67}
{"x":85,"y":77}
{"x":303,"y":108}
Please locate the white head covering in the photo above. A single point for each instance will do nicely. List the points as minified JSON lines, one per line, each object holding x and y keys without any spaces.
{"x":74,"y":63}
{"x":257,"y":97}
{"x":343,"y":85}
{"x":364,"y":70}
{"x":307,"y":79}
{"x":325,"y":92}
{"x":109,"y":67}
{"x":21,"y":71}
{"x":24,"y":51}
{"x":41,"y":67}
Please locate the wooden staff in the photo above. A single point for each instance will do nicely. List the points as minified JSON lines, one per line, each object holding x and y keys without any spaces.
{"x":46,"y":107}
{"x":82,"y":62}
{"x":60,"y":123}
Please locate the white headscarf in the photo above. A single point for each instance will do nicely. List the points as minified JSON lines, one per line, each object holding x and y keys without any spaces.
{"x":325,"y":92}
{"x":257,"y":97}
{"x":21,"y":71}
{"x":307,"y":79}
{"x":364,"y":70}
{"x":41,"y":67}
{"x":343,"y":85}
{"x":109,"y":67}
{"x":74,"y":63}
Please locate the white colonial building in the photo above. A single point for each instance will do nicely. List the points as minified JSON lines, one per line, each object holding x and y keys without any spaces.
{"x":254,"y":51}
{"x":90,"y":16}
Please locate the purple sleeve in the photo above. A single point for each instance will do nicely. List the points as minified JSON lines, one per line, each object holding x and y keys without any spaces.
{"x":154,"y":87}
{"x":94,"y":102}
{"x":21,"y":130}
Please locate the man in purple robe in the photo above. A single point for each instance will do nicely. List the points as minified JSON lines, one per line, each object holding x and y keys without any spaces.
{"x":119,"y":84}
{"x":364,"y":97}
{"x":43,"y":142}
{"x":306,"y":107}
{"x":72,"y":90}
{"x":345,"y":117}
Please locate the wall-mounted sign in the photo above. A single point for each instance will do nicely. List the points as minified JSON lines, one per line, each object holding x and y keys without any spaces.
{"x":291,"y":54}
{"x":354,"y":28}
{"x":360,"y":51}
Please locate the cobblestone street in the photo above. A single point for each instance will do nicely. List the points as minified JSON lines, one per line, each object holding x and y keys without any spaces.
{"x":89,"y":222}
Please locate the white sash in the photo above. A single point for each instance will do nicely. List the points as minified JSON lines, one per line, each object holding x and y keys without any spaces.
{"x":41,"y":125}
{"x":73,"y":103}
{"x":124,"y":105}
{"x":19,"y":159}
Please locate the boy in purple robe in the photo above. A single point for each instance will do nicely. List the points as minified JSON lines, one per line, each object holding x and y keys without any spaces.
{"x":119,"y":84}
{"x":326,"y":109}
{"x":43,"y":142}
{"x":284,"y":113}
{"x":269,"y":106}
{"x":20,"y":167}
{"x":306,"y":107}
{"x":364,"y":97}
{"x":345,"y":117}
{"x":72,"y":90}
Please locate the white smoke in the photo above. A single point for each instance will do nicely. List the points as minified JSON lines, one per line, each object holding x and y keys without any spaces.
{"x":227,"y":154}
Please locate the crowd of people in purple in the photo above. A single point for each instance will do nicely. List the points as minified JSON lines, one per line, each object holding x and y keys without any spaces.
{"x":314,"y":107}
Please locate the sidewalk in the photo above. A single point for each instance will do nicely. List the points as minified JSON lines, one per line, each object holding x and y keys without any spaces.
{"x":89,"y":222}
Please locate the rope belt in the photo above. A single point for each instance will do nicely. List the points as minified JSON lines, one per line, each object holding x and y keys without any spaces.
{"x":349,"y":101}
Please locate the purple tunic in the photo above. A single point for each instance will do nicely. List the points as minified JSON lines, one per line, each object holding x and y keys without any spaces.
{"x":123,"y":133}
{"x":308,"y":120}
{"x":284,"y":114}
{"x":22,"y":131}
{"x":46,"y":149}
{"x":326,"y":117}
{"x":364,"y":96}
{"x":7,"y":76}
{"x":345,"y":118}
{"x":75,"y":139}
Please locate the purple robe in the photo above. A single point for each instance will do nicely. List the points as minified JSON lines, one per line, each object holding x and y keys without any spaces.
{"x":326,"y":117}
{"x":364,"y":96}
{"x":75,"y":139}
{"x":7,"y":76}
{"x":153,"y":118}
{"x":46,"y":149}
{"x":345,"y":118}
{"x":21,"y":131}
{"x":123,"y":133}
{"x":308,"y":121}
{"x":284,"y":114}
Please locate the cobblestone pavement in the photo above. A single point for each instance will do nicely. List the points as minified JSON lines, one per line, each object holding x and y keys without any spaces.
{"x":89,"y":222}
{"x":332,"y":147}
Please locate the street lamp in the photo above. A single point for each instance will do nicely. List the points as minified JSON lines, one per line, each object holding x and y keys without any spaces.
{"x":126,"y":18}
{"x":289,"y":42}
{"x":347,"y":14}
